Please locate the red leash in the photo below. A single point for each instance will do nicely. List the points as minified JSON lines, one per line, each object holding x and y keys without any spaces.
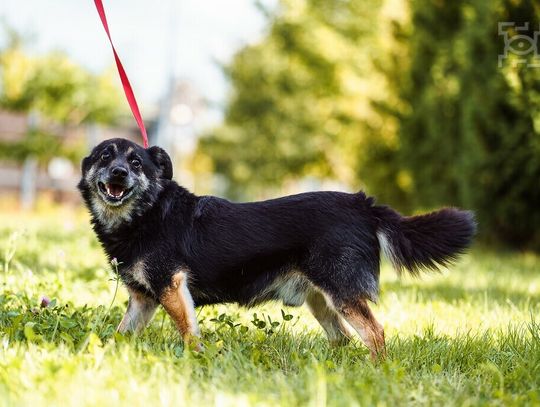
{"x":123,"y":77}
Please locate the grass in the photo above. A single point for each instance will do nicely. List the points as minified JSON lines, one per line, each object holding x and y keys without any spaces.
{"x":469,"y":336}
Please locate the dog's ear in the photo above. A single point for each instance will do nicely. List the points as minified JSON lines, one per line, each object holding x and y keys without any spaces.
{"x":85,"y":164}
{"x":160,"y":157}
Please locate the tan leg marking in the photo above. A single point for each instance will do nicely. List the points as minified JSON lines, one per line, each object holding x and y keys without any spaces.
{"x":178,"y":303}
{"x":139,"y":312}
{"x":358,"y":314}
{"x":336,"y":330}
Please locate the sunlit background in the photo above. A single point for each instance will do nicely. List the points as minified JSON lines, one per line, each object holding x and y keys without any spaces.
{"x":420,"y":103}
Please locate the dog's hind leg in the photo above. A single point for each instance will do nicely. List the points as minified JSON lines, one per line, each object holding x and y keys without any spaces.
{"x":139,"y":312}
{"x":177,"y":301}
{"x":359,"y":315}
{"x":338,"y":333}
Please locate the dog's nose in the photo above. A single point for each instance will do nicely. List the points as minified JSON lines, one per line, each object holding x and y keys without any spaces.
{"x":119,"y":172}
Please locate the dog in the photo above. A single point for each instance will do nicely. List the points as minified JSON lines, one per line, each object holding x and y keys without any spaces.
{"x":182,"y":251}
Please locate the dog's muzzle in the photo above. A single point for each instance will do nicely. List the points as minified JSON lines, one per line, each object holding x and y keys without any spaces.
{"x":117,"y":186}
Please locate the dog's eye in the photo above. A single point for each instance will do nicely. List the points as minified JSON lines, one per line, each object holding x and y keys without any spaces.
{"x":136,"y":163}
{"x":105,"y":156}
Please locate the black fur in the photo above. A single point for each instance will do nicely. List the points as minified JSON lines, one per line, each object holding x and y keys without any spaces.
{"x":234,"y":252}
{"x":426,"y":241}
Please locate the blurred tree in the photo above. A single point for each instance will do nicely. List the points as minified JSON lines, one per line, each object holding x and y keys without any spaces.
{"x":298,"y":97}
{"x":57,"y":90}
{"x":468,"y":131}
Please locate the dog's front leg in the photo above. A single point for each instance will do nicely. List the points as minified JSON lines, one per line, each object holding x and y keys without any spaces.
{"x":139,"y":312}
{"x":177,"y":301}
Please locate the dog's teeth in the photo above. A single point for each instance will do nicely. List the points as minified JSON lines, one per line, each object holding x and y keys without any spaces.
{"x":111,"y":193}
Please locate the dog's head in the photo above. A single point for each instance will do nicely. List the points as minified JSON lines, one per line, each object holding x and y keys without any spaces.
{"x":120,"y":179}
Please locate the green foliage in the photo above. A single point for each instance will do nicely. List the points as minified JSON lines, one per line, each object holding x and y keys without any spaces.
{"x":467,"y":337}
{"x":56,"y":88}
{"x":468,"y":131}
{"x":58,"y":92}
{"x":297,"y":97}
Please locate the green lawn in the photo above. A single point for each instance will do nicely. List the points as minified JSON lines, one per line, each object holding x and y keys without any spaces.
{"x":468,"y":336}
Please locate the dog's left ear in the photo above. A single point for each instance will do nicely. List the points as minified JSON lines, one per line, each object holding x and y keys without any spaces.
{"x":86,"y":164}
{"x":160,"y":157}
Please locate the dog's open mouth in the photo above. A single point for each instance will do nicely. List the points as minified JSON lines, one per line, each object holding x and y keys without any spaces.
{"x":113,"y":191}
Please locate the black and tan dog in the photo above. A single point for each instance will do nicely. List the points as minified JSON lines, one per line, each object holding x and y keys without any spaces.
{"x":322,"y":248}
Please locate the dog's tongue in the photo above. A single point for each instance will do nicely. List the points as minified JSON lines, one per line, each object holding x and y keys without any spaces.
{"x":115,"y":190}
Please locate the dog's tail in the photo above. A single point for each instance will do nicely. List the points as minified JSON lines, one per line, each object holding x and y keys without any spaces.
{"x":426,"y":241}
